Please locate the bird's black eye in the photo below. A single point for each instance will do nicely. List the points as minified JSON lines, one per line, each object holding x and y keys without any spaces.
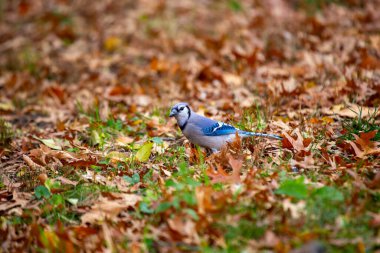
{"x":181,"y":109}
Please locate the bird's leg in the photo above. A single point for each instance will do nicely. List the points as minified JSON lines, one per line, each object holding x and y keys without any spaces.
{"x":211,"y":151}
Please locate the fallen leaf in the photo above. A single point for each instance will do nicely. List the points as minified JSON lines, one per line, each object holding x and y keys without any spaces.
{"x":32,"y":164}
{"x":116,"y":156}
{"x":66,"y":181}
{"x":7,"y":106}
{"x":221,"y":176}
{"x":298,"y":144}
{"x":185,"y":227}
{"x":351,"y":111}
{"x":112,"y":43}
{"x":123,"y":140}
{"x":363,"y":145}
{"x":106,"y":208}
{"x":296,"y":209}
{"x":51,"y":143}
{"x":120,"y":90}
{"x":144,"y":152}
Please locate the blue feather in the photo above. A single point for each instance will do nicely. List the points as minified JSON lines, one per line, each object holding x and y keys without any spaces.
{"x":219,"y":129}
{"x":246,"y":134}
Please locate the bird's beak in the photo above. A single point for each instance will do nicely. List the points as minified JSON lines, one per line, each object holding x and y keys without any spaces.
{"x":172,"y":113}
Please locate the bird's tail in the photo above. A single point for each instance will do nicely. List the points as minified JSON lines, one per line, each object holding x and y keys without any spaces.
{"x":246,"y":134}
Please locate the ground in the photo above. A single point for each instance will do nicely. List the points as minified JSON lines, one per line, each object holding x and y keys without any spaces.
{"x":91,"y":162}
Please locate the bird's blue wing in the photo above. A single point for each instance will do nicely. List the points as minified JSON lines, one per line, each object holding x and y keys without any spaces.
{"x":219,"y":128}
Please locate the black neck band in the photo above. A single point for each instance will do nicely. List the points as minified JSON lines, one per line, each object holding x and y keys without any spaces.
{"x":183,"y":126}
{"x":188,"y":112}
{"x":188,"y":117}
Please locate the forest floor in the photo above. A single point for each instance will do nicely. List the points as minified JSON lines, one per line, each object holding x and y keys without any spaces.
{"x":91,"y":162}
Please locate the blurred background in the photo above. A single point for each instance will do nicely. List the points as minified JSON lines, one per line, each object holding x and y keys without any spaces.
{"x":220,"y":53}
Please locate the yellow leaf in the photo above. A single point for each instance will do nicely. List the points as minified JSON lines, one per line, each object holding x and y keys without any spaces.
{"x":95,"y":137}
{"x":117,"y":156}
{"x":327,"y":120}
{"x":51,"y":143}
{"x":310,"y":85}
{"x":112,"y":43}
{"x":7,"y":107}
{"x":137,"y":122}
{"x":144,"y":152}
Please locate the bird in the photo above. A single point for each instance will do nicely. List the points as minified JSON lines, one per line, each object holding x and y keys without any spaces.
{"x":207,"y":132}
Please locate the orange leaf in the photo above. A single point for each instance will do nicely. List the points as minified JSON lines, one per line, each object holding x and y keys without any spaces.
{"x":119,"y":90}
{"x":221,"y":176}
{"x":286,"y":143}
{"x":204,"y":199}
{"x":236,"y":167}
{"x":299,"y":144}
{"x":367,"y":147}
{"x":218,"y":176}
{"x":365,"y":139}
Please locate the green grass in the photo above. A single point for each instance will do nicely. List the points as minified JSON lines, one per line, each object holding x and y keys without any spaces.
{"x":100,"y":132}
{"x":2,"y":185}
{"x":360,"y":124}
{"x":253,"y":119}
{"x":235,"y":5}
{"x":58,"y":206}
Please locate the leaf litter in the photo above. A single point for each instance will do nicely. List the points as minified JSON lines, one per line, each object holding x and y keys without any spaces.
{"x":90,"y":161}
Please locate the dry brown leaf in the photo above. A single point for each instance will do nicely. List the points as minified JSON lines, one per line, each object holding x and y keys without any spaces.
{"x":66,"y":181}
{"x":123,"y":140}
{"x":31,"y":164}
{"x":105,"y":208}
{"x":221,"y":176}
{"x":207,"y":200}
{"x":298,"y":144}
{"x":363,"y":145}
{"x":18,"y":200}
{"x":185,"y":227}
{"x":351,"y":111}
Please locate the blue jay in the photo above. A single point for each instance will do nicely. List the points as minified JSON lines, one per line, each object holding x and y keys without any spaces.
{"x":206,"y":132}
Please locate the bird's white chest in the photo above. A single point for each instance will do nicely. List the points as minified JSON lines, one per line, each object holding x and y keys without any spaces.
{"x":196,"y":136}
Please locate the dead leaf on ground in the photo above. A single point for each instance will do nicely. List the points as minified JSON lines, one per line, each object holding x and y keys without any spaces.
{"x":363,"y":145}
{"x":108,"y":209}
{"x":351,"y":111}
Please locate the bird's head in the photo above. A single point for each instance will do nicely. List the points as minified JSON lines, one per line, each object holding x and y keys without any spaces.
{"x":181,"y":112}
